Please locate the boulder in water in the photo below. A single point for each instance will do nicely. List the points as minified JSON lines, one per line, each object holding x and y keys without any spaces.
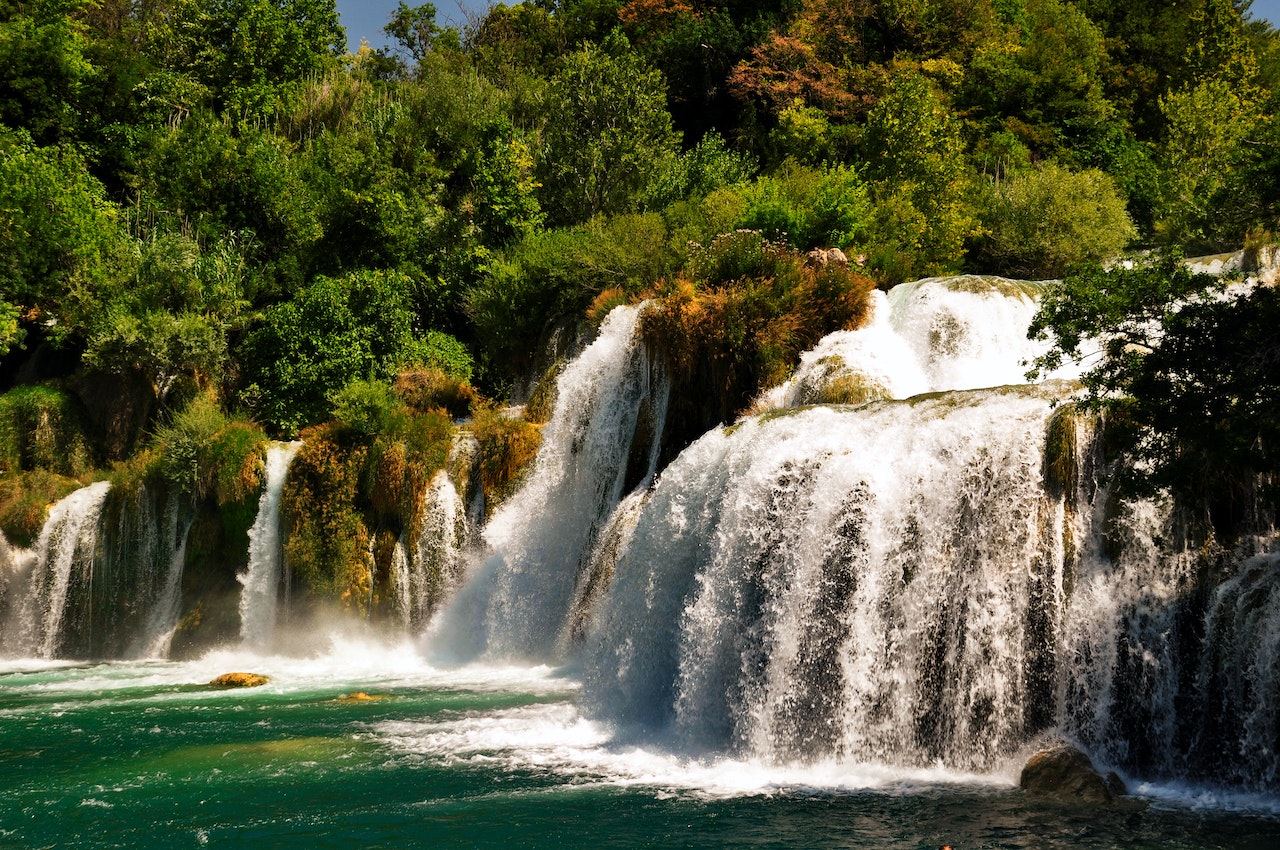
{"x":1066,"y":773}
{"x":239,"y":680}
{"x":360,"y":696}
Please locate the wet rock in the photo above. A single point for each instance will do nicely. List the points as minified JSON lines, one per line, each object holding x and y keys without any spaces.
{"x":1064,"y":772}
{"x":360,"y":696}
{"x":239,"y":680}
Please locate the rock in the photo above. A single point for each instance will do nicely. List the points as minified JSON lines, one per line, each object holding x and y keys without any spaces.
{"x":360,"y":696}
{"x":819,"y":257}
{"x":239,"y":680}
{"x":1066,"y":773}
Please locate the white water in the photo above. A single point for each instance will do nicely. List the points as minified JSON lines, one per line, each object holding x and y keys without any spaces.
{"x":261,"y":579}
{"x":517,"y":601}
{"x":163,"y":619}
{"x":932,"y":335}
{"x":64,"y":552}
{"x":436,"y":564}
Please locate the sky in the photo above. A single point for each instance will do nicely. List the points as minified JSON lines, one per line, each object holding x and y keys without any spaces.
{"x":366,"y":18}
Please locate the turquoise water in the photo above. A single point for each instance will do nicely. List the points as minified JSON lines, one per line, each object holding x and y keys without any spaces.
{"x":143,"y":754}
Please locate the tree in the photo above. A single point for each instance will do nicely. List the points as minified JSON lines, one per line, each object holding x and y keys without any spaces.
{"x":414,"y":27}
{"x":1040,"y":223}
{"x":607,"y":128}
{"x":245,"y":51}
{"x":1189,"y":372}
{"x":337,"y":330}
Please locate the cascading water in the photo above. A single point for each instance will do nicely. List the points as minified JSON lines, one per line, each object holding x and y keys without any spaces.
{"x":62,"y":558}
{"x":938,"y":580}
{"x":261,"y":579}
{"x":435,"y":566}
{"x":933,"y":335}
{"x":516,"y":603}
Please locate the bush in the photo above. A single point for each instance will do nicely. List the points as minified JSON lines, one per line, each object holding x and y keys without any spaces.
{"x":203,"y":453}
{"x":336,"y":331}
{"x":1040,"y":223}
{"x":425,"y":389}
{"x":738,"y":320}
{"x":551,"y":277}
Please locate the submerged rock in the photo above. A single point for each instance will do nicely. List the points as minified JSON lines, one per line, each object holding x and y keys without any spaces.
{"x":360,"y":696}
{"x":1066,"y":773}
{"x":239,"y":680}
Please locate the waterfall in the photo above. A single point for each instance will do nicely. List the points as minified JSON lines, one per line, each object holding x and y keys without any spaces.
{"x":261,"y":579}
{"x":837,"y":583}
{"x":941,"y":579}
{"x":933,"y":335}
{"x":62,"y":559}
{"x":518,"y":599}
{"x":163,"y":619}
{"x":436,"y":564}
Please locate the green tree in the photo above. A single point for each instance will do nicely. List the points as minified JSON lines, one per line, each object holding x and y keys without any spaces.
{"x":607,"y":127}
{"x":915,"y":157}
{"x":1040,"y":223}
{"x":60,"y":238}
{"x":336,"y":331}
{"x":1187,"y":371}
{"x":245,"y":51}
{"x":44,"y":69}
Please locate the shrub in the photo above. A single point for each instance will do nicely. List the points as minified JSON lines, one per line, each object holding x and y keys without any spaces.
{"x":1040,"y":223}
{"x":507,"y":447}
{"x":737,"y":322}
{"x":425,"y":389}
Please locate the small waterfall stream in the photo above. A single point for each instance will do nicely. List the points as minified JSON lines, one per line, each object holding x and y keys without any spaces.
{"x":517,"y":601}
{"x":264,"y":573}
{"x":62,"y":557}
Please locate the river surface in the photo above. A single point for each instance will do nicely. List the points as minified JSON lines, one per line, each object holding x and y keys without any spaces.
{"x":131,"y":754}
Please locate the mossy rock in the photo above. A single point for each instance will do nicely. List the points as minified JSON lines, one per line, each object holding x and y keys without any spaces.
{"x":240,"y":680}
{"x":1065,"y":773}
{"x":25,"y":499}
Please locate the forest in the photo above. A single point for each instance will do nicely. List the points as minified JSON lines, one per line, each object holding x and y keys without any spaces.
{"x":218,"y":227}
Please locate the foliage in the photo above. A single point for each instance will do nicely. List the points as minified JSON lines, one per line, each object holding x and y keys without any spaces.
{"x":425,"y":389}
{"x":737,"y":321}
{"x":1209,"y":127}
{"x":551,"y":277}
{"x":1187,"y":370}
{"x":337,"y":330}
{"x":42,"y":428}
{"x":59,"y":235}
{"x":1040,"y":223}
{"x":808,"y":207}
{"x":507,"y":447}
{"x":203,"y":452}
{"x":325,"y":537}
{"x":606,"y":129}
{"x":923,"y":212}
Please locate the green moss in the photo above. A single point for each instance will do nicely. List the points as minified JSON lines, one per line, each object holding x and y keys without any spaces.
{"x":980,"y":284}
{"x":506,"y":448}
{"x":25,"y":499}
{"x":542,"y":400}
{"x":1061,"y":468}
{"x":849,"y":388}
{"x":42,"y":428}
{"x":326,"y":539}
